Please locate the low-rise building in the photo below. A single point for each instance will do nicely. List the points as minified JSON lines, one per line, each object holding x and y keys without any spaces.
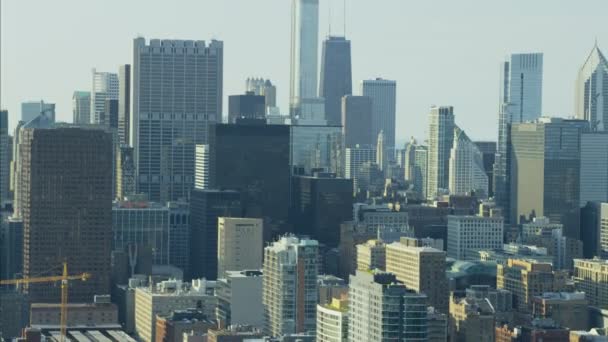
{"x":371,"y":255}
{"x":99,"y":313}
{"x":332,"y":321}
{"x":240,"y":298}
{"x":568,"y":310}
{"x":591,"y":277}
{"x":471,"y":319}
{"x":473,"y":232}
{"x":171,"y":328}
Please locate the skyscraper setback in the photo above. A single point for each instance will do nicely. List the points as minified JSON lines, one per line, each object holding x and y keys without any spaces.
{"x":336,"y":77}
{"x":66,"y":206}
{"x":177,"y":93}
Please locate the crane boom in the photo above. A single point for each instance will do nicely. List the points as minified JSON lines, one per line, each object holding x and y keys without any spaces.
{"x":83,"y":277}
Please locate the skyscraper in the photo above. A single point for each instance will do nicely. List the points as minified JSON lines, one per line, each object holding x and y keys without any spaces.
{"x":239,"y":244}
{"x":32,"y":109}
{"x":290,"y":286}
{"x":304,"y":56}
{"x":336,"y":77}
{"x":441,"y":138}
{"x":467,"y":172}
{"x":357,"y":121}
{"x":66,"y":205}
{"x":381,"y":151}
{"x":488,"y":152}
{"x":317,"y":147}
{"x":81,"y":107}
{"x":124,"y":103}
{"x":4,"y":158}
{"x":247,"y":106}
{"x":260,"y":86}
{"x":594,"y":167}
{"x":383,"y":95}
{"x":421,"y":162}
{"x":592,"y":91}
{"x":545,"y":172}
{"x":169,"y":117}
{"x":521,"y":88}
{"x":104,"y":86}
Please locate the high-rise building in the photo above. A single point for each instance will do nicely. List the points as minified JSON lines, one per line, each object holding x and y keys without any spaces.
{"x":110,"y":116}
{"x":371,"y":255}
{"x":591,"y":229}
{"x":32,"y":109}
{"x":336,"y":77}
{"x":316,"y":147}
{"x":355,"y":158}
{"x":124,"y":104}
{"x":466,"y":168}
{"x":384,"y":102}
{"x":290,"y":286}
{"x":81,"y":107}
{"x":260,"y":86}
{"x":11,"y":253}
{"x":527,"y":279}
{"x":590,"y":277}
{"x":357,"y":118}
{"x":254,"y":159}
{"x":376,"y":298}
{"x":420,"y":170}
{"x":466,"y":233}
{"x":381,"y":160}
{"x":441,"y":138}
{"x":247,"y":106}
{"x":521,"y":88}
{"x":4,"y":158}
{"x":104,"y":87}
{"x":304,"y":57}
{"x":332,"y":321}
{"x":592,"y":91}
{"x":320,"y":203}
{"x":421,"y":269}
{"x":488,"y":155}
{"x":594,"y":167}
{"x":169,"y":117}
{"x":206,"y":206}
{"x":66,"y":206}
{"x":603,"y":221}
{"x":545,"y":180}
{"x":240,"y":298}
{"x":125,"y":172}
{"x":471,"y":319}
{"x":437,"y":325}
{"x":239,"y":244}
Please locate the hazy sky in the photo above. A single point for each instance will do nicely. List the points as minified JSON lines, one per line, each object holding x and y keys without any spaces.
{"x":440,"y":52}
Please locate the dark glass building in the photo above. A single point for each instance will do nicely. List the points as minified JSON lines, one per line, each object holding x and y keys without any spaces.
{"x":248,"y":106}
{"x":320,"y":203}
{"x":110,"y":118}
{"x":124,"y":103}
{"x":336,"y":77}
{"x":254,"y":159}
{"x":357,"y":121}
{"x":66,"y":207}
{"x":545,"y":172}
{"x":488,"y":151}
{"x":205,"y":207}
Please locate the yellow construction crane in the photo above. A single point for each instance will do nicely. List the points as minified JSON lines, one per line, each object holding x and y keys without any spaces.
{"x":64,"y":278}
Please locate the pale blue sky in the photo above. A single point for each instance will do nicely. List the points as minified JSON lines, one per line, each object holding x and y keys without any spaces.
{"x":440,"y":52}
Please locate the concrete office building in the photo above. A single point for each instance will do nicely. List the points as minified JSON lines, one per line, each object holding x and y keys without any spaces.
{"x":594,"y":166}
{"x":164,"y":129}
{"x":81,"y":107}
{"x":290,"y":286}
{"x":441,"y":138}
{"x":467,"y":233}
{"x":384,"y":103}
{"x":336,"y":77}
{"x":304,"y":59}
{"x":124,"y":104}
{"x":202,"y":167}
{"x":527,"y":279}
{"x":591,"y":277}
{"x":166,"y":297}
{"x":376,"y":298}
{"x":103,"y":87}
{"x":206,"y":207}
{"x":371,"y":255}
{"x":592,"y":91}
{"x":437,"y":326}
{"x":521,"y":88}
{"x":100,"y":312}
{"x":32,"y":109}
{"x":173,"y":326}
{"x":330,"y":287}
{"x":357,"y":120}
{"x":240,"y":298}
{"x":332,"y":321}
{"x":471,"y":319}
{"x":66,"y":173}
{"x":466,"y":167}
{"x":421,"y":269}
{"x":545,"y":174}
{"x":239,"y":244}
{"x":568,"y":309}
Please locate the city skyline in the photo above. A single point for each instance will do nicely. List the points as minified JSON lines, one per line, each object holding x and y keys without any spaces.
{"x":454,"y":29}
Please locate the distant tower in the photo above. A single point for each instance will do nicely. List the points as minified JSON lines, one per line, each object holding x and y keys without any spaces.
{"x":380,"y":157}
{"x":592,"y":91}
{"x":466,"y":171}
{"x":336,"y":77}
{"x":124,"y":103}
{"x":5,"y":158}
{"x":441,"y":138}
{"x":104,"y":87}
{"x":260,"y":86}
{"x":521,"y":88}
{"x":304,"y":56}
{"x":383,"y":95}
{"x":81,"y":107}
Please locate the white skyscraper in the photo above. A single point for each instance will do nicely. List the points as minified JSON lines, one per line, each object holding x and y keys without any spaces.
{"x":383,"y":94}
{"x":467,"y":172}
{"x":380,"y":151}
{"x":104,"y":87}
{"x":592,"y":90}
{"x":441,"y":138}
{"x":521,"y":89}
{"x":303,"y":100}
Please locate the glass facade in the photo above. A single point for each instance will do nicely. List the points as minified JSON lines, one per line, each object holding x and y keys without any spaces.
{"x":314,"y":147}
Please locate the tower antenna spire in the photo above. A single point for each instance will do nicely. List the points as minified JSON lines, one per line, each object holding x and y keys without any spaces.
{"x":344,"y":8}
{"x":329,"y":19}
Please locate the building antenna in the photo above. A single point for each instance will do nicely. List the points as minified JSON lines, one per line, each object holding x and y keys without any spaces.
{"x":329,"y":20}
{"x":344,"y":7}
